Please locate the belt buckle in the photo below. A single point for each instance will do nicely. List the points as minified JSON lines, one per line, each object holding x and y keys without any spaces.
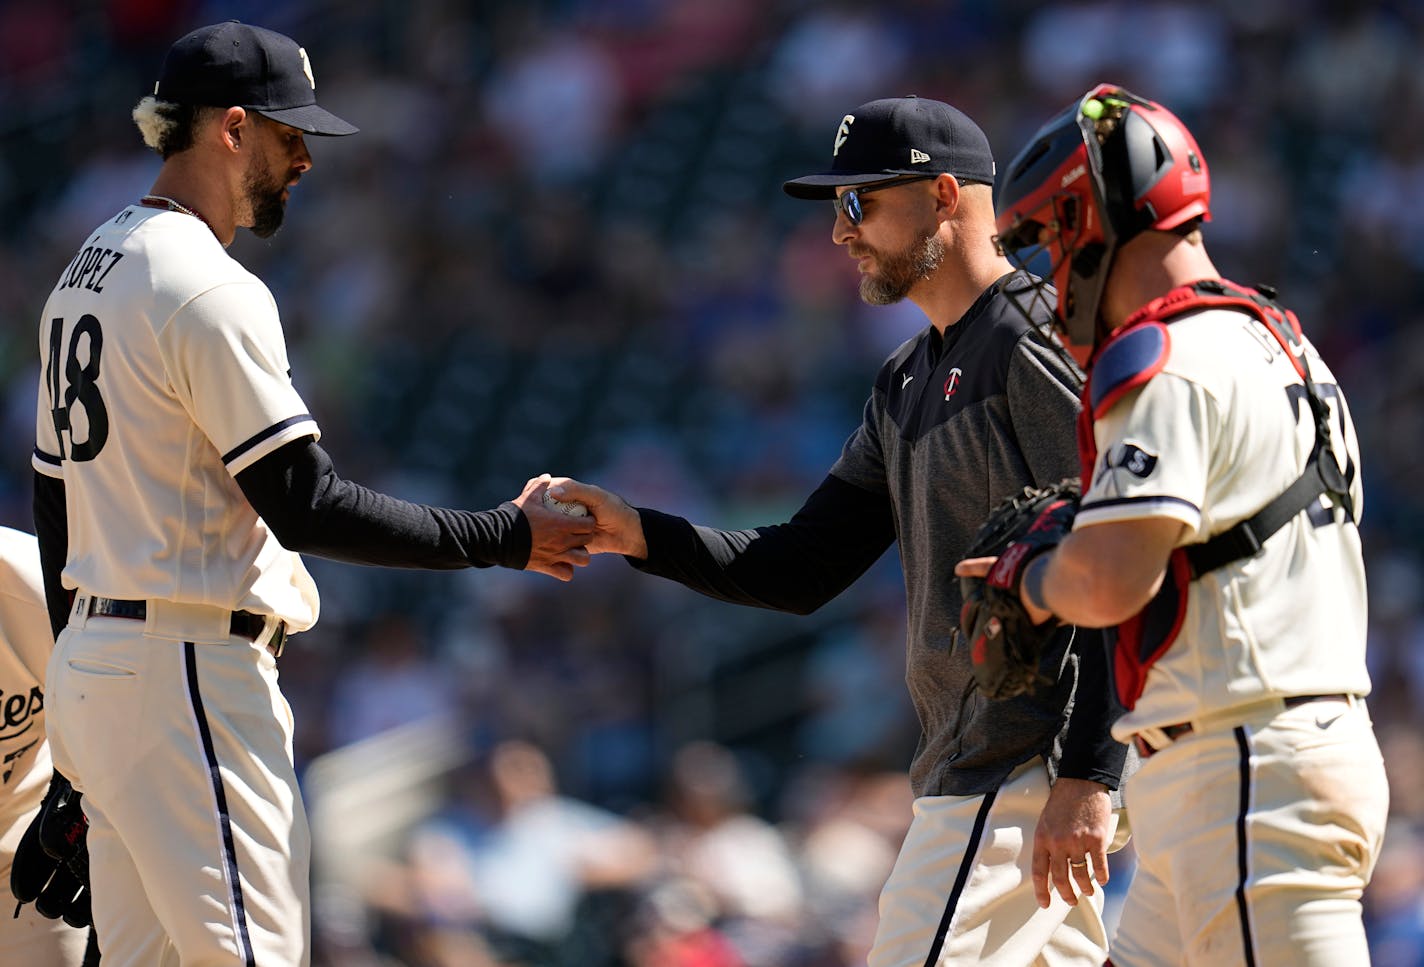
{"x":278,"y":641}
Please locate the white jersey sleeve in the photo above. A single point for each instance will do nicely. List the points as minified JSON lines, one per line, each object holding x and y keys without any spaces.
{"x":228,"y":362}
{"x":1154,"y":460}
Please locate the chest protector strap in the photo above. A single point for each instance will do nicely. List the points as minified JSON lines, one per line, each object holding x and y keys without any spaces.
{"x":1141,"y":640}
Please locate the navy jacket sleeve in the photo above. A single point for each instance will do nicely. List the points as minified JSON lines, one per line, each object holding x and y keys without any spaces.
{"x":838,"y":533}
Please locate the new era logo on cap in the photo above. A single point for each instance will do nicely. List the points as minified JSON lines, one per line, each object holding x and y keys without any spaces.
{"x":900,"y":136}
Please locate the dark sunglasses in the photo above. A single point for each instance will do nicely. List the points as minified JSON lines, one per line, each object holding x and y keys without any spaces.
{"x":848,"y":204}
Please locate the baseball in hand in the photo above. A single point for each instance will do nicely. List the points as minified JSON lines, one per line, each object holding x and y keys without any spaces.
{"x":572,"y":507}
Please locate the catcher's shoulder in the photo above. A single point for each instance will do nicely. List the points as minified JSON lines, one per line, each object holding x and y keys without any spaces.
{"x":1019,"y":319}
{"x":1129,"y":360}
{"x":1022,"y":303}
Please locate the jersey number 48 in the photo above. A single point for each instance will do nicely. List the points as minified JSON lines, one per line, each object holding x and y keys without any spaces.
{"x":73,"y":385}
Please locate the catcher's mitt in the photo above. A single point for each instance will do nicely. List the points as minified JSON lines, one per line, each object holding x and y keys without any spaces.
{"x":1004,"y":645}
{"x":51,"y":865}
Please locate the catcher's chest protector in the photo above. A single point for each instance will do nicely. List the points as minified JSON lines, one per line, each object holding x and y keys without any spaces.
{"x":1126,"y":360}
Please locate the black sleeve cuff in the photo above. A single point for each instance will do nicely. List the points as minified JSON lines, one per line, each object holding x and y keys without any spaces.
{"x":1102,"y":762}
{"x":663,"y":532}
{"x":517,"y":543}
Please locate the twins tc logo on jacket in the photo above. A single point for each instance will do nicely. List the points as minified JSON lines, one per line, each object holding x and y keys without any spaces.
{"x":951,"y":385}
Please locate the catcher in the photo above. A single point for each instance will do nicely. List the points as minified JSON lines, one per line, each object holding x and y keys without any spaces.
{"x":1217,"y":536}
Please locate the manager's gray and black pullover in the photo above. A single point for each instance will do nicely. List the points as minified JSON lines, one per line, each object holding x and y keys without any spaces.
{"x":951,"y":428}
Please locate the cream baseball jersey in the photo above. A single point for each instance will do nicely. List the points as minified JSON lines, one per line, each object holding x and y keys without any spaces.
{"x":163,"y":374}
{"x":1212,"y":438}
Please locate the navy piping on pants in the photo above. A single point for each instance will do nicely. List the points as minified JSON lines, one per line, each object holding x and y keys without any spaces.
{"x":971,"y":852}
{"x":195,"y":698}
{"x":1242,"y":848}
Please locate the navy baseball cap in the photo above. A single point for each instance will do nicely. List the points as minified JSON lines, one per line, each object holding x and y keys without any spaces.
{"x":900,"y":136}
{"x":234,"y":64}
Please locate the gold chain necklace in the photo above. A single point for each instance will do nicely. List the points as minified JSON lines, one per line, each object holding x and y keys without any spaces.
{"x":160,"y":201}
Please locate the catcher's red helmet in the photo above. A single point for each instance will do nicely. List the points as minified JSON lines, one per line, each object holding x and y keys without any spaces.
{"x":1109,"y":167}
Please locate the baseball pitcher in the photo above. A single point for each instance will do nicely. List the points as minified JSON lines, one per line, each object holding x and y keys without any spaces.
{"x":178,"y":475}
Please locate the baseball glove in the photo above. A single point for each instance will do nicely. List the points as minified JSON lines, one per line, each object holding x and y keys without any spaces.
{"x":1004,"y":644}
{"x":51,"y":865}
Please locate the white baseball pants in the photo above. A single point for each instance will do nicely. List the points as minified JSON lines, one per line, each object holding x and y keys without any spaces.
{"x":961,"y":891}
{"x":198,"y":841}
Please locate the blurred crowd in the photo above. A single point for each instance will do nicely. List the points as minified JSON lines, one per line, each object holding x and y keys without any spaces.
{"x":559,"y":244}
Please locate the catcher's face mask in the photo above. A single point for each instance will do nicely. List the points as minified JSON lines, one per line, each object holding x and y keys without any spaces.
{"x":1094,"y":177}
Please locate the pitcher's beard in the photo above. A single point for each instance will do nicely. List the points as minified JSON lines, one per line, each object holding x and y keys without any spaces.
{"x":264,"y":194}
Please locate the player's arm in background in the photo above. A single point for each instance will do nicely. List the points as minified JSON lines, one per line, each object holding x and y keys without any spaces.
{"x":797,"y":566}
{"x":312,"y":510}
{"x":1042,"y":381}
{"x":52,"y":530}
{"x":1043,"y":387}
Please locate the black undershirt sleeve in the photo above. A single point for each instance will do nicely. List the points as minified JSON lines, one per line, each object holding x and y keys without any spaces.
{"x":798,"y":566}
{"x":52,"y":530}
{"x":311,"y":510}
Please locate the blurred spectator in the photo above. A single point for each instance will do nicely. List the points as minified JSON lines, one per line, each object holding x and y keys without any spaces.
{"x":675,"y":929}
{"x":808,"y":71}
{"x":855,"y":689}
{"x":555,"y":99}
{"x":393,"y":682}
{"x":1073,"y":45}
{"x":711,"y":836}
{"x":1394,"y":905}
{"x":848,"y":823}
{"x":512,"y":865}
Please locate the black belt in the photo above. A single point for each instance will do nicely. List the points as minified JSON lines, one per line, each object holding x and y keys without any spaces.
{"x":1177,"y":730}
{"x":245,"y":624}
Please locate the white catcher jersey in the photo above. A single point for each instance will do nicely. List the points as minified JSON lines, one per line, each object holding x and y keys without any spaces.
{"x":1210,"y":440}
{"x":163,"y":374}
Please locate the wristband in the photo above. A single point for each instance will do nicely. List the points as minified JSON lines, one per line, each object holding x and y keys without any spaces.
{"x":1033,"y":582}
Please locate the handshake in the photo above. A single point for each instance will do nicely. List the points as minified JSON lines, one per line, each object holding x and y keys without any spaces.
{"x":571,"y":521}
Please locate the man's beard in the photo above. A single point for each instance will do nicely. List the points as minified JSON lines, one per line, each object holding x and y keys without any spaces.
{"x":264,"y":194}
{"x":898,"y":273}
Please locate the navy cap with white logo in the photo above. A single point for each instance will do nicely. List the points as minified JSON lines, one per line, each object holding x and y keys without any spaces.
{"x":900,"y":136}
{"x":234,"y":64}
